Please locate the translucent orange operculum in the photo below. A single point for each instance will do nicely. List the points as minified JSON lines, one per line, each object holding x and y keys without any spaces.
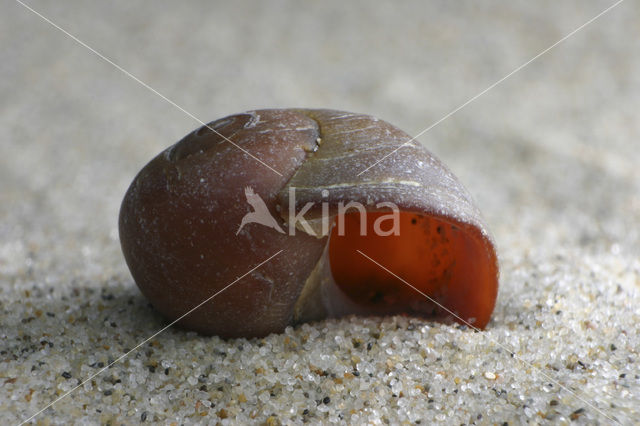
{"x":427,"y":255}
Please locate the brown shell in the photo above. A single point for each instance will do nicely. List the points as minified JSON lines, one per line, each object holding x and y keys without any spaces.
{"x":179,"y":219}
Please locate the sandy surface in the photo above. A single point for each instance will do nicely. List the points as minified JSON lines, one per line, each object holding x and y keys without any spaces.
{"x":551,"y":156}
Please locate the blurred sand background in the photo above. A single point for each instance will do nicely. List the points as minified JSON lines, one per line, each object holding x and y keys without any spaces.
{"x":551,"y":156}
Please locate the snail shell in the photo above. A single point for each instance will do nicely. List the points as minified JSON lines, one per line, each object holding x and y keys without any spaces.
{"x":184,"y":238}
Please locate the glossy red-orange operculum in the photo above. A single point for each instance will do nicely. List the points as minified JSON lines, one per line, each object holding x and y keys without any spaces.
{"x":448,"y":262}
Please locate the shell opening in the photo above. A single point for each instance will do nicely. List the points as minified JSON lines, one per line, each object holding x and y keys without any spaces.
{"x":447,"y":261}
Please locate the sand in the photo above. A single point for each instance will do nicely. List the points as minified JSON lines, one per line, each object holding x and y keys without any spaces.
{"x":551,"y":156}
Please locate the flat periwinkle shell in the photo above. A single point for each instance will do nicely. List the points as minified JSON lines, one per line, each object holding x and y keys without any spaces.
{"x":353,"y":216}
